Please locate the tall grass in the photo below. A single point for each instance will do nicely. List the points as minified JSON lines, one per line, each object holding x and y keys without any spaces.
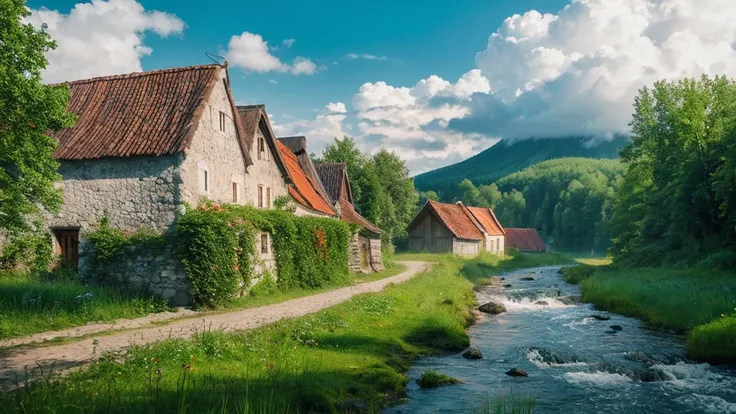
{"x":676,"y":299}
{"x":348,"y":358}
{"x":32,"y":303}
{"x":505,"y":405}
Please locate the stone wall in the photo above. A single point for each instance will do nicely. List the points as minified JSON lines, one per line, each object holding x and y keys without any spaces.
{"x":152,"y":270}
{"x":356,"y":263}
{"x":264,"y":172}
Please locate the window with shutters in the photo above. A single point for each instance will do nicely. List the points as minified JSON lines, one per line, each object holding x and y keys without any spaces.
{"x":264,"y":243}
{"x":260,"y":196}
{"x":222,"y":121}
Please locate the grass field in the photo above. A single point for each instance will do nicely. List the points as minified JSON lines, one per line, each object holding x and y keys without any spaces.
{"x":350,"y":357}
{"x":699,"y":302}
{"x":31,"y":303}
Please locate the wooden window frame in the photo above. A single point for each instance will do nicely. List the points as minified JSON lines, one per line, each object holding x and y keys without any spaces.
{"x":236,"y":192}
{"x":206,"y":181}
{"x":264,"y":243}
{"x":260,"y":196}
{"x":268,"y":197}
{"x":223,"y":121}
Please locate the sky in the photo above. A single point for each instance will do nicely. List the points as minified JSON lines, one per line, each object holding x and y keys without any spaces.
{"x":433,"y":81}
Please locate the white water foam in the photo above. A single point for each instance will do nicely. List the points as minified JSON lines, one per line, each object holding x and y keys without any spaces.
{"x":524,"y":304}
{"x":535,"y":358}
{"x":583,"y":321}
{"x":696,"y":377}
{"x":709,"y":403}
{"x":596,"y":378}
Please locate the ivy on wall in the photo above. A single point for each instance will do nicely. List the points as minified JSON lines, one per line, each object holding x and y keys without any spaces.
{"x":30,"y":251}
{"x":108,"y":243}
{"x":217,"y":245}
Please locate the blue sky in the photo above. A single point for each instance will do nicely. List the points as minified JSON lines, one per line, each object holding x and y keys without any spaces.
{"x":447,"y":79}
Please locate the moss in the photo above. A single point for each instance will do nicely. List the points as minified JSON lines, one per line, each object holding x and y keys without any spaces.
{"x":432,"y":379}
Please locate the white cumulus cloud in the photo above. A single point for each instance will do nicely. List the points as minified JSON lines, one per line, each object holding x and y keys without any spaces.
{"x":321,"y":130}
{"x":251,"y":52}
{"x":100,"y":37}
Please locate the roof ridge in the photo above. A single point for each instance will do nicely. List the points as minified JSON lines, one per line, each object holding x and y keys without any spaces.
{"x":139,"y":74}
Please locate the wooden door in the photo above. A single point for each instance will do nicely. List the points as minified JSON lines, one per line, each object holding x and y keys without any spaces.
{"x":67,"y":246}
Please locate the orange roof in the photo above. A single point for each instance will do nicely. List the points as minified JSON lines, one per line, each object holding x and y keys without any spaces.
{"x":488,"y":220}
{"x":143,"y":113}
{"x":456,"y":220}
{"x":526,"y":240}
{"x":303,"y":190}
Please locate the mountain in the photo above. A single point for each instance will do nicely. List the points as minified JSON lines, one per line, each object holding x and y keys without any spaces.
{"x":506,"y":158}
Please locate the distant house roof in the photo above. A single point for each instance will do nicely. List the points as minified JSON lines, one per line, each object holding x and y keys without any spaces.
{"x":487,"y":218}
{"x":138,"y":114}
{"x":304,"y":190}
{"x":334,"y":177}
{"x":254,"y":117}
{"x":454,"y":216}
{"x":526,"y":240}
{"x":298,"y":146}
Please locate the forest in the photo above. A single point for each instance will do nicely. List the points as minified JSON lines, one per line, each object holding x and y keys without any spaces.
{"x":569,"y":200}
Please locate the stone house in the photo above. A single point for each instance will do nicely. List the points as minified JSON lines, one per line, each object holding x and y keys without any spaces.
{"x":455,"y":228}
{"x":145,"y":145}
{"x":365,"y":249}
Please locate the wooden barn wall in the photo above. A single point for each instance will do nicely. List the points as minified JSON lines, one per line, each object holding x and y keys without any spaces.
{"x":430,"y":235}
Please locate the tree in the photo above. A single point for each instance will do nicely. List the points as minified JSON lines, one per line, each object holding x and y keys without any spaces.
{"x":675,"y":204}
{"x":394,"y":177}
{"x":425,"y":196}
{"x":28,"y":110}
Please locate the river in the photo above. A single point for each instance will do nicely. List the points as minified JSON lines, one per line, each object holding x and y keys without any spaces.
{"x":576,"y":364}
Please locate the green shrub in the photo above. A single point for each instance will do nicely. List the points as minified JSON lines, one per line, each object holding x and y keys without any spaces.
{"x":432,"y":379}
{"x":217,"y":247}
{"x":714,"y":341}
{"x":30,"y":251}
{"x":576,"y":274}
{"x":108,"y":243}
{"x":723,"y":260}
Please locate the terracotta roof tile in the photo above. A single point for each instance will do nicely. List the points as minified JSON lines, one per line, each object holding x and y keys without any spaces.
{"x":348,"y":214}
{"x":144,"y":113}
{"x":456,"y":220}
{"x":303,"y":190}
{"x":488,"y":220}
{"x":526,"y":240}
{"x":298,"y":147}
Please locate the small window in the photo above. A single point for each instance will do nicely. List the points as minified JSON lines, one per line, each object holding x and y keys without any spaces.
{"x":264,"y":243}
{"x":206,"y":181}
{"x":262,"y":149}
{"x":222,"y":121}
{"x":235,"y":193}
{"x":260,"y":196}
{"x":268,"y":197}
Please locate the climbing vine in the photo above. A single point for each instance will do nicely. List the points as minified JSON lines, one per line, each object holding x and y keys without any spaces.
{"x":217,"y":245}
{"x":108,"y":243}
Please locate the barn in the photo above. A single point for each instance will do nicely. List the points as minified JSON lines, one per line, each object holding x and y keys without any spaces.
{"x":526,"y":240}
{"x":455,"y":228}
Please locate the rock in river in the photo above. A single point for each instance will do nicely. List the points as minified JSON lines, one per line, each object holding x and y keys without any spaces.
{"x":528,"y":278}
{"x":508,"y":285}
{"x":617,"y":328}
{"x":516,"y":372}
{"x":600,"y":317}
{"x":570,"y":300}
{"x":541,"y":302}
{"x":492,"y":307}
{"x":472,"y":353}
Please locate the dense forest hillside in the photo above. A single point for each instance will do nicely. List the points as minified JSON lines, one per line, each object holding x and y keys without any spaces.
{"x":567,"y":199}
{"x":506,"y":158}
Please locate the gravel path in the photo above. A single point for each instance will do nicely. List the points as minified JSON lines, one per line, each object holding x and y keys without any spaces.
{"x":16,"y":363}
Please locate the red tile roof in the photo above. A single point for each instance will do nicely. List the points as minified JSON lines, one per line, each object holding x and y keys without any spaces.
{"x":488,"y":220}
{"x":526,"y":240}
{"x":456,"y":220}
{"x":144,"y":113}
{"x":303,"y":190}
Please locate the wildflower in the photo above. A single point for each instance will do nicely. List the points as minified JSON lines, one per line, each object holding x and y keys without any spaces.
{"x":186,"y":367}
{"x":159,"y":371}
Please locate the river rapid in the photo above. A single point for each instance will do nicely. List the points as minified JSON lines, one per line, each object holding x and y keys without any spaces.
{"x":576,"y":363}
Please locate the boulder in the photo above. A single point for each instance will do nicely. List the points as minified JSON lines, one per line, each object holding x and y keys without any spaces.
{"x":611,"y":332}
{"x":503,"y":278}
{"x":541,"y":302}
{"x":617,"y":328}
{"x":492,"y":307}
{"x":508,"y":285}
{"x":516,"y":372}
{"x":528,"y":278}
{"x":570,"y":300}
{"x":600,"y":317}
{"x":472,"y":353}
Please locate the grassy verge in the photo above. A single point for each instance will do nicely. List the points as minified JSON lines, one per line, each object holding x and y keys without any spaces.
{"x":268,"y":295}
{"x":31,"y":304}
{"x":432,"y":379}
{"x":351,"y":357}
{"x":697,"y":301}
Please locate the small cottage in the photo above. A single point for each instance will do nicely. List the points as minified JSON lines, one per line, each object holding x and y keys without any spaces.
{"x":365,"y":252}
{"x":526,"y":240}
{"x":455,"y":228}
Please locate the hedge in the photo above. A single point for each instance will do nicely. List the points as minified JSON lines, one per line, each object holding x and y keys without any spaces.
{"x":217,"y":245}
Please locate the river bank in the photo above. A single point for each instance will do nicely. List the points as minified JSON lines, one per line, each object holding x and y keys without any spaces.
{"x":698,"y":302}
{"x":576,"y":361}
{"x":350,"y":356}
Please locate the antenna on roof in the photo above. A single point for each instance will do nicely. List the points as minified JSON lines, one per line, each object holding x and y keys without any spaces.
{"x":216,"y":59}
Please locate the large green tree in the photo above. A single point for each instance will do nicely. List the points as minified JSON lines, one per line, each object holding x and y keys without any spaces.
{"x":28,"y":110}
{"x":676,"y":203}
{"x":382,"y":190}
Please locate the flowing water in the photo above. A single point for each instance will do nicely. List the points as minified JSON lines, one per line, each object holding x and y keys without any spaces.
{"x":576,"y":364}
